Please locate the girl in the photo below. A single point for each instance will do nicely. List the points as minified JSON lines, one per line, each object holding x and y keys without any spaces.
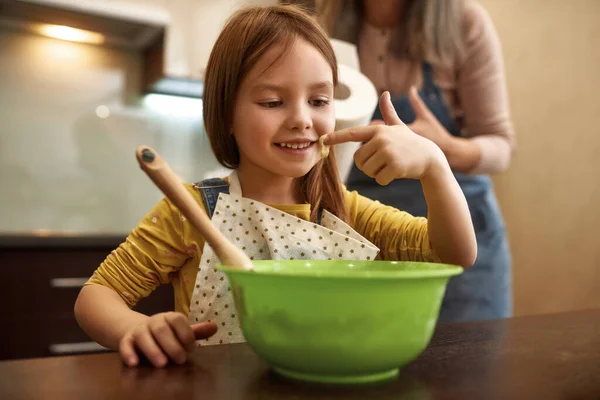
{"x":268,"y":99}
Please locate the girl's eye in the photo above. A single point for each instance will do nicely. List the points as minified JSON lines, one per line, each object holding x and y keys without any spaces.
{"x":319,"y":102}
{"x":271,"y":104}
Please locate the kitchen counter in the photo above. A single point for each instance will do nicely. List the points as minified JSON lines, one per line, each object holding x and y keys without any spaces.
{"x":535,"y":357}
{"x":43,"y":239}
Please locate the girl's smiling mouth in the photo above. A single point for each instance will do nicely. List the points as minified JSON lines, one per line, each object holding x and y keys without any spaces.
{"x":296,"y":146}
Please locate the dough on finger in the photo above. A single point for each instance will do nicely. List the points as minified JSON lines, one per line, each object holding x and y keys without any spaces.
{"x":324,"y":147}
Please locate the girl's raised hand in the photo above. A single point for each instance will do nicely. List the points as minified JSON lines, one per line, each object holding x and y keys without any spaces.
{"x":390,"y":151}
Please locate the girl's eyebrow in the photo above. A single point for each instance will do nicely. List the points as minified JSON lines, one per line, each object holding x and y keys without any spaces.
{"x":276,"y":88}
{"x":322,"y":85}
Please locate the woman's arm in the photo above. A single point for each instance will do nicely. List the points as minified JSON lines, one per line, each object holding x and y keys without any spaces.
{"x":483,"y":97}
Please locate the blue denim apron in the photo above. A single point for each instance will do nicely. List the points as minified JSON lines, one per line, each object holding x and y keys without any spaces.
{"x":483,"y":291}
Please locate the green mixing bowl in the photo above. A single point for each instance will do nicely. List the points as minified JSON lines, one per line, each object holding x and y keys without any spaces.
{"x":339,"y":321}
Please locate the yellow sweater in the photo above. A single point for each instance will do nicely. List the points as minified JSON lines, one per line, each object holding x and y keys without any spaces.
{"x":165,"y":248}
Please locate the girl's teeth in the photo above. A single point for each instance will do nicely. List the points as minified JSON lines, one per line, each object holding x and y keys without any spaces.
{"x":295,"y":146}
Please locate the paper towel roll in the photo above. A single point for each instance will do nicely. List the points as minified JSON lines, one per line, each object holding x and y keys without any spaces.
{"x":346,"y":53}
{"x":355,"y":100}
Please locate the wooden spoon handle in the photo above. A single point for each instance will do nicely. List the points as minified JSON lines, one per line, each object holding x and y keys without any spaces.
{"x":163,"y":177}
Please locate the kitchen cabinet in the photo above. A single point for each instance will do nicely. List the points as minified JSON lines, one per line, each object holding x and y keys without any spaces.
{"x":41,"y":277}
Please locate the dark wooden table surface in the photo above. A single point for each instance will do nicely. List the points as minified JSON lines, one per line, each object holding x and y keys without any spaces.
{"x":538,"y":357}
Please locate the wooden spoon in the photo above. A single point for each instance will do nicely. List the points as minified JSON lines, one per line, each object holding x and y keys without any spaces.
{"x":160,"y":173}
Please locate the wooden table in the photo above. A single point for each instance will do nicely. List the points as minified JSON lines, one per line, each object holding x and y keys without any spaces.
{"x":537,"y":357}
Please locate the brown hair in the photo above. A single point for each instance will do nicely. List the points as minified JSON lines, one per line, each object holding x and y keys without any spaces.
{"x":431,"y":30}
{"x":248,"y":34}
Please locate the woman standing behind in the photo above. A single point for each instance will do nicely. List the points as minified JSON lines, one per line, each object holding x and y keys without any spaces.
{"x":442,"y":62}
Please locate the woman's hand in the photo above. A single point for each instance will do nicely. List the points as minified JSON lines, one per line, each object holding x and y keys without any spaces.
{"x":426,"y":124}
{"x":163,"y":337}
{"x":462,"y":153}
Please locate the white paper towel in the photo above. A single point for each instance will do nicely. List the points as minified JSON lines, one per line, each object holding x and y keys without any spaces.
{"x":355,"y":101}
{"x":346,"y":53}
{"x":355,"y":98}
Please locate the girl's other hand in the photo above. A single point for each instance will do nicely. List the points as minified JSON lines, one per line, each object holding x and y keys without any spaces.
{"x":163,"y":337}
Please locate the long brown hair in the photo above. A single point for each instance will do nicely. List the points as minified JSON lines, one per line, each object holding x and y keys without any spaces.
{"x":248,"y":34}
{"x":430,"y":30}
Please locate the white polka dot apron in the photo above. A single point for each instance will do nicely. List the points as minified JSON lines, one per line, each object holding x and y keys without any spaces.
{"x":264,"y":233}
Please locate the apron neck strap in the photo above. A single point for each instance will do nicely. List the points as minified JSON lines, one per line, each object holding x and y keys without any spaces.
{"x":428,"y":80}
{"x":235,"y":188}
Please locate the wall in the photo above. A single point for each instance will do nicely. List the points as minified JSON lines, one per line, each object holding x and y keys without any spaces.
{"x":551,"y":194}
{"x":195,"y":25}
{"x":62,"y":167}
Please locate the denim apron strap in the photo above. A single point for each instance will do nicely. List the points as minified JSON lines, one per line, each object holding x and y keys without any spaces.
{"x":429,"y":86}
{"x":210,"y":190}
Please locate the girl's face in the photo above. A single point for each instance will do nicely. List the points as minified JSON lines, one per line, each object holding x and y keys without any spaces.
{"x":282,"y":109}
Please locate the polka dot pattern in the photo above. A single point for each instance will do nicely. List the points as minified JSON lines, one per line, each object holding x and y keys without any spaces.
{"x":265,"y":233}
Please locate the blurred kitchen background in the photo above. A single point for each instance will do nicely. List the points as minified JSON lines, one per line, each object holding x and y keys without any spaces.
{"x":71,"y":115}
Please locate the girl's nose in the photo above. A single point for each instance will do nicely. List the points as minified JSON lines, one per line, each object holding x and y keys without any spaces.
{"x":300,"y":119}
